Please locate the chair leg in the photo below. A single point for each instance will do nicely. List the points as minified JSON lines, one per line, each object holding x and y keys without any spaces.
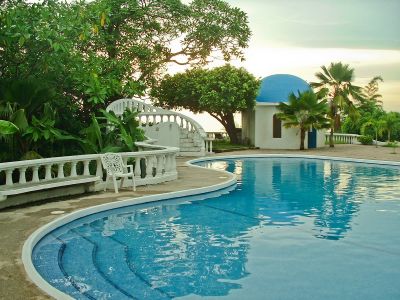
{"x":133,"y":183}
{"x":115,"y":185}
{"x":105,"y":185}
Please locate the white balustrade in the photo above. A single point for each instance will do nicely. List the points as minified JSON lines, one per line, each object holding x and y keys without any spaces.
{"x":208,"y":144}
{"x":343,"y":138}
{"x":32,"y":175}
{"x":150,"y":115}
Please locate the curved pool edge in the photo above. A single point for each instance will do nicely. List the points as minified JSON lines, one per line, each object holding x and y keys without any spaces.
{"x":307,"y":156}
{"x":38,"y":234}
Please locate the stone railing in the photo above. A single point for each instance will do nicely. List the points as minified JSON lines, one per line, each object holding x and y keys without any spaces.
{"x":150,"y":115}
{"x":184,"y":122}
{"x":343,"y":138}
{"x":153,"y":164}
{"x":119,"y":106}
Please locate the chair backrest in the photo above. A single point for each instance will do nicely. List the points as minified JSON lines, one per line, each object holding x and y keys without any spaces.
{"x":113,"y":163}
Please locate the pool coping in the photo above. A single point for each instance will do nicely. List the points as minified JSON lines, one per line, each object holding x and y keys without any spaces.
{"x":38,"y":234}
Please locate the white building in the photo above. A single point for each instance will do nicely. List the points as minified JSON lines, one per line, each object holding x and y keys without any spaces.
{"x":263,"y":129}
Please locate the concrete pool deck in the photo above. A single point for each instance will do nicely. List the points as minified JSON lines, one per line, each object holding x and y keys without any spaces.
{"x":16,"y":224}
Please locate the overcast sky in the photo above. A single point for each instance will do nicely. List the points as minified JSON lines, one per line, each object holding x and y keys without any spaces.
{"x":298,"y":36}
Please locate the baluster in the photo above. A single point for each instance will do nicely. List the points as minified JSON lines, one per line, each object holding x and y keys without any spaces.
{"x":60,"y":173}
{"x":99,"y":168}
{"x":149,"y":167}
{"x":147,"y":120}
{"x":86,"y":167}
{"x":9,"y":180}
{"x":181,"y":122}
{"x":210,"y":146}
{"x":159,"y":165}
{"x":47,"y":176}
{"x":22,"y":178}
{"x":35,"y":175}
{"x":73,"y":169}
{"x":137,"y":167}
{"x":173,"y":163}
{"x":167,"y":163}
{"x":125,"y":161}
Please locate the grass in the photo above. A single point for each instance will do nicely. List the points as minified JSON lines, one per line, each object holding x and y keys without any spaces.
{"x":225,"y":146}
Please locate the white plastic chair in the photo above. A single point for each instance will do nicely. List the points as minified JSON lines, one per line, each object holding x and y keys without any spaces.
{"x":115,"y":167}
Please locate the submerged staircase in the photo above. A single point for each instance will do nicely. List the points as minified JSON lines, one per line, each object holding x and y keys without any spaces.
{"x":167,"y":127}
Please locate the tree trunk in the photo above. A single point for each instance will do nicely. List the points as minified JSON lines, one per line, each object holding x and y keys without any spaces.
{"x":333,"y":121}
{"x":302,"y":138}
{"x":331,"y":144}
{"x":388,"y":136}
{"x":376,"y":138}
{"x":229,"y":124}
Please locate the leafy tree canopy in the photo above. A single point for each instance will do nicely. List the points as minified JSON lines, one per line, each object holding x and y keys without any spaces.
{"x":97,"y":51}
{"x":306,"y":111}
{"x":220,"y":92}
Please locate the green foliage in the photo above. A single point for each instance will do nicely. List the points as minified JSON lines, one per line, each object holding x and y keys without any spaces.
{"x":112,"y":133}
{"x":108,"y":49}
{"x":371,"y":100}
{"x":337,"y":80}
{"x":220,"y":92}
{"x":365,"y":139}
{"x":305,"y":111}
{"x":378,"y":125}
{"x":78,"y":56}
{"x":7,"y":128}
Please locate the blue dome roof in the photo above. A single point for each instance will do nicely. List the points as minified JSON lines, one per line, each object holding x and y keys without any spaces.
{"x":277,"y":88}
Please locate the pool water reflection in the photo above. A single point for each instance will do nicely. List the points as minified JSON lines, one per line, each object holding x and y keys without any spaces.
{"x":292,"y":229}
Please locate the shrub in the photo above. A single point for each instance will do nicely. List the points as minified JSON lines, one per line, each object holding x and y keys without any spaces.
{"x":365,"y":139}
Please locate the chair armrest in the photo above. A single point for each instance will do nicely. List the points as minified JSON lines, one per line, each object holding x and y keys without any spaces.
{"x":129,"y":167}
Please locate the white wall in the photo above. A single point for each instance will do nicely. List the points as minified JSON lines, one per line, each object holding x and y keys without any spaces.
{"x":263,"y":131}
{"x":166,"y":133}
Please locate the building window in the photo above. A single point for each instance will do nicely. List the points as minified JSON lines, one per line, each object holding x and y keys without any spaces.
{"x":276,"y":127}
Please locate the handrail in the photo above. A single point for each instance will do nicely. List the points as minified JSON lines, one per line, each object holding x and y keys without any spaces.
{"x":346,"y":138}
{"x":119,"y":106}
{"x":149,"y":115}
{"x":189,"y":120}
{"x":159,"y":166}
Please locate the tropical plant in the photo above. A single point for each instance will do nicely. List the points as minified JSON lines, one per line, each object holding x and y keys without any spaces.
{"x":7,"y":128}
{"x":305,"y":111}
{"x":93,"y":52}
{"x":220,"y":92}
{"x":377,"y":125}
{"x":110,"y":133}
{"x":371,"y":100}
{"x":337,"y":80}
{"x":365,"y":139}
{"x":392,"y":123}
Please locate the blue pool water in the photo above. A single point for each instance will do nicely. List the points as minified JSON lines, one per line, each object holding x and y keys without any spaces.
{"x":291,"y":229}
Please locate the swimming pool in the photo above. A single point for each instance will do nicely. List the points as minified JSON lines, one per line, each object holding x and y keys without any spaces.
{"x":293,"y":228}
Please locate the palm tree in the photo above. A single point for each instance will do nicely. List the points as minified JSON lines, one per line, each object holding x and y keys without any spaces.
{"x":392,"y":122}
{"x":337,"y":80}
{"x":378,"y":125}
{"x":304,"y":112}
{"x":372,"y":100}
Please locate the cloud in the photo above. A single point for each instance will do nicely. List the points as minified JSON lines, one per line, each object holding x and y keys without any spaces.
{"x":363,"y":24}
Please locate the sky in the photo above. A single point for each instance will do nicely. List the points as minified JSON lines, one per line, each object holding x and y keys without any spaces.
{"x":299,"y":36}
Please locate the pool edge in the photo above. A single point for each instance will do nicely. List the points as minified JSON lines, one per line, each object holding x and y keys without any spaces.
{"x":39,"y":233}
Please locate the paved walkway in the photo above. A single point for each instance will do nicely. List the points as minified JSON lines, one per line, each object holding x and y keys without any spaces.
{"x":17,"y":224}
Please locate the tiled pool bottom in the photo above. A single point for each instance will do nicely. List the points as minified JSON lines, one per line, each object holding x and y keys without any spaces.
{"x":293,"y":229}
